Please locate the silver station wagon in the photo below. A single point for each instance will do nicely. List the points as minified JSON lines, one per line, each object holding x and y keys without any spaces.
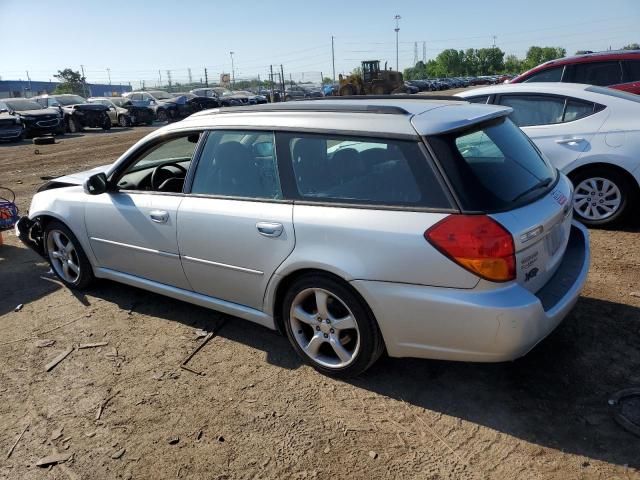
{"x":355,"y":226}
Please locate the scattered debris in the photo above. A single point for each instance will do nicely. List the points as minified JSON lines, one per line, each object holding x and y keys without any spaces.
{"x":112,"y":353}
{"x":119,"y":453}
{"x":56,"y":434}
{"x":50,"y":366}
{"x":373,"y":454}
{"x":201,"y":333}
{"x":45,"y":343}
{"x":92,"y":345}
{"x":18,"y":307}
{"x":220,"y":438}
{"x":199,"y":435}
{"x":104,"y":404}
{"x":635,"y":294}
{"x":327,"y":450}
{"x":174,"y":440}
{"x":17,"y":440}
{"x":208,"y":337}
{"x":90,"y":434}
{"x":53,"y":459}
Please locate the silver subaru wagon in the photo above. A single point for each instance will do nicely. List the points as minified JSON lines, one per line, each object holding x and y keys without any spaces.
{"x":423,"y":228}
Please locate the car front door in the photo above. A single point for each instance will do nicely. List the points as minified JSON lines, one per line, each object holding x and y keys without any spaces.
{"x":132,"y":229}
{"x":558,"y":125}
{"x":234,"y":228}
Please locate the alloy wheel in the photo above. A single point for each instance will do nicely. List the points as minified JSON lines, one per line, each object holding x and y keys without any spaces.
{"x":325,"y":328}
{"x":597,"y":198}
{"x":63,"y":255}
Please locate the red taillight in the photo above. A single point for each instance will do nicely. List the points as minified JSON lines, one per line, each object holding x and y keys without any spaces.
{"x":477,"y":243}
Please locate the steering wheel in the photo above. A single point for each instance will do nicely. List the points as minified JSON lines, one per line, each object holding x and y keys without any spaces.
{"x":157,"y":180}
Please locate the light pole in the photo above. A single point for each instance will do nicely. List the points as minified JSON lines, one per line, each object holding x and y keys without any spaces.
{"x":109,"y":73}
{"x":397,"y":29}
{"x":233,"y":75}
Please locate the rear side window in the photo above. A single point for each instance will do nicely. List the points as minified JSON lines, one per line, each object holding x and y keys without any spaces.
{"x":577,"y":109}
{"x":632,"y":70}
{"x":597,"y":73}
{"x":548,"y":75}
{"x":534,"y":109}
{"x":492,"y":166}
{"x":361,"y":170}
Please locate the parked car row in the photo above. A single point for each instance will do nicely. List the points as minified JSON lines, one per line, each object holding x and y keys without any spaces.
{"x":438,"y":84}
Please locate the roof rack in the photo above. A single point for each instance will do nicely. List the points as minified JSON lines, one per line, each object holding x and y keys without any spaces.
{"x":391,"y":97}
{"x":307,"y":107}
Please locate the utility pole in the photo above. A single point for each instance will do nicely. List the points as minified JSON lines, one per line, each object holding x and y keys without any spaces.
{"x":84,"y":81}
{"x":333,"y":59}
{"x":169,"y":78}
{"x":494,"y":41}
{"x":233,"y":75}
{"x":424,"y":52}
{"x":282,"y":79}
{"x":415,"y":53}
{"x":397,"y":29}
{"x":160,"y":77}
{"x":109,"y":74}
{"x":206,"y":78}
{"x":190,"y":78}
{"x":29,"y":80}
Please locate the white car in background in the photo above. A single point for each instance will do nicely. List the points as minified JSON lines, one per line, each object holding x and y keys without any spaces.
{"x":590,"y":133}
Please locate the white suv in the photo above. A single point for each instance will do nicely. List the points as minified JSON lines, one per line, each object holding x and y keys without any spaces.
{"x":423,"y":228}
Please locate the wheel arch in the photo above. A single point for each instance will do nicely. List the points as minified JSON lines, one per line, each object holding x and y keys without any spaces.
{"x":626,"y":174}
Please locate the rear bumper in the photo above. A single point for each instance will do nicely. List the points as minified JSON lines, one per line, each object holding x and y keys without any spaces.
{"x":480,"y":326}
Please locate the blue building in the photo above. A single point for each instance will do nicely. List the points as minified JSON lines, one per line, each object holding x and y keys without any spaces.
{"x":25,"y":88}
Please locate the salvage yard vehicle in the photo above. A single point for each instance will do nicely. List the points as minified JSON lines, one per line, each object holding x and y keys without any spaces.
{"x":167,"y":108}
{"x":124,"y":113}
{"x":423,"y":228}
{"x":11,"y":128}
{"x":615,"y":69}
{"x":33,"y":118}
{"x":77,"y":113}
{"x":197,"y":102}
{"x":590,"y":133}
{"x":211,"y":93}
{"x":372,"y":81}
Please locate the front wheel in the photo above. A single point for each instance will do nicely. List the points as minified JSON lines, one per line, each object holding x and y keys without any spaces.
{"x":600,"y":197}
{"x":161,"y":116}
{"x":330,"y":326}
{"x":72,"y":125}
{"x":106,"y":123}
{"x":66,"y":256}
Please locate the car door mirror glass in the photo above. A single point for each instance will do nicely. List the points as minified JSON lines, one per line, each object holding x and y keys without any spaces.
{"x":96,"y":184}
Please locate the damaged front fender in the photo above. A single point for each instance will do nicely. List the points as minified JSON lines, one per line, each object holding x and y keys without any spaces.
{"x":31,"y":233}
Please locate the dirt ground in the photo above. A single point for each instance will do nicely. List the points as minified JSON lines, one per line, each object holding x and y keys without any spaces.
{"x":257,"y":412}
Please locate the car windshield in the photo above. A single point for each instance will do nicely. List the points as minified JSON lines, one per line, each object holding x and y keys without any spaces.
{"x":493,"y":166}
{"x":70,"y":100}
{"x":22,"y":105}
{"x":159,"y":95}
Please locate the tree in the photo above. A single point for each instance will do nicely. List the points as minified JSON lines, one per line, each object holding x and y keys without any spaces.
{"x":632,"y":46}
{"x":490,"y":61}
{"x":537,"y":55}
{"x":70,"y":82}
{"x":512,"y":64}
{"x":327,"y":80}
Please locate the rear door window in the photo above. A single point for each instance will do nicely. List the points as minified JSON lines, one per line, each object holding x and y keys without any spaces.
{"x":534,"y":109}
{"x":631,"y":71}
{"x":548,"y":75}
{"x":492,"y":166}
{"x":344,"y":169}
{"x":597,"y":73}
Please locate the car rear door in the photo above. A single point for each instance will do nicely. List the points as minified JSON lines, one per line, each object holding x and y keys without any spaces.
{"x":234,"y":228}
{"x":561,"y":127}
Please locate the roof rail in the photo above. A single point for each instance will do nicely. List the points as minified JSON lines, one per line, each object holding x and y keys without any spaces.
{"x":392,"y":97}
{"x":308,"y":107}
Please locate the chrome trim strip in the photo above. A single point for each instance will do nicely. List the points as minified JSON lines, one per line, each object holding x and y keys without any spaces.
{"x":135,"y":247}
{"x":222,"y":265}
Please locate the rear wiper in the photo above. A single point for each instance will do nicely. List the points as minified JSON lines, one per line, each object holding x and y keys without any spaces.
{"x":537,"y":186}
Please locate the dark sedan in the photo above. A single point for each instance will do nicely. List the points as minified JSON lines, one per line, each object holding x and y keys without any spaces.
{"x":78,"y":113}
{"x":36,"y":119}
{"x":197,"y":102}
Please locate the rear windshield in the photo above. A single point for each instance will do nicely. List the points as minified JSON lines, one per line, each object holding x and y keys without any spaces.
{"x":493,"y":166}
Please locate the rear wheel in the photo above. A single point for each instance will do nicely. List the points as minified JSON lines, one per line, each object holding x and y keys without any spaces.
{"x":161,"y":116}
{"x":106,"y":123}
{"x":123,"y":121}
{"x":601,"y":197}
{"x":72,"y":125}
{"x":378,"y":90}
{"x":330,"y":327}
{"x":346,"y":90}
{"x":66,"y":256}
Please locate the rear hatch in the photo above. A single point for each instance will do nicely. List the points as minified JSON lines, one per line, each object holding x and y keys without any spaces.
{"x":495,"y":170}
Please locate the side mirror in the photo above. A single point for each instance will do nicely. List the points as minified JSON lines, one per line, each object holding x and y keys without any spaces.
{"x":95,"y":184}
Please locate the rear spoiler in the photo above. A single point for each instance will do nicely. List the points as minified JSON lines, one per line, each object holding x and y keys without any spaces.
{"x":448,"y":118}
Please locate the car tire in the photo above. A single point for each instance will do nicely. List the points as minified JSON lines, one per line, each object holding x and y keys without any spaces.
{"x":123,"y":121}
{"x":596,"y":190}
{"x":72,"y":125}
{"x":70,"y":264}
{"x":161,"y":116}
{"x":149,"y":122}
{"x":106,"y":123}
{"x":378,"y":90}
{"x":314,"y":331}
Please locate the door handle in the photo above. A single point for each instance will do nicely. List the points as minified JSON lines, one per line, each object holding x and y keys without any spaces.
{"x":159,"y":216}
{"x":569,"y":141}
{"x":269,"y":229}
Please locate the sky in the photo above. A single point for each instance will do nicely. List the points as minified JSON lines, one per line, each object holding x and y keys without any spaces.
{"x":135,"y":40}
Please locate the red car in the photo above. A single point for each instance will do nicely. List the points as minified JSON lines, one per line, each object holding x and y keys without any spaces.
{"x":618,"y":69}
